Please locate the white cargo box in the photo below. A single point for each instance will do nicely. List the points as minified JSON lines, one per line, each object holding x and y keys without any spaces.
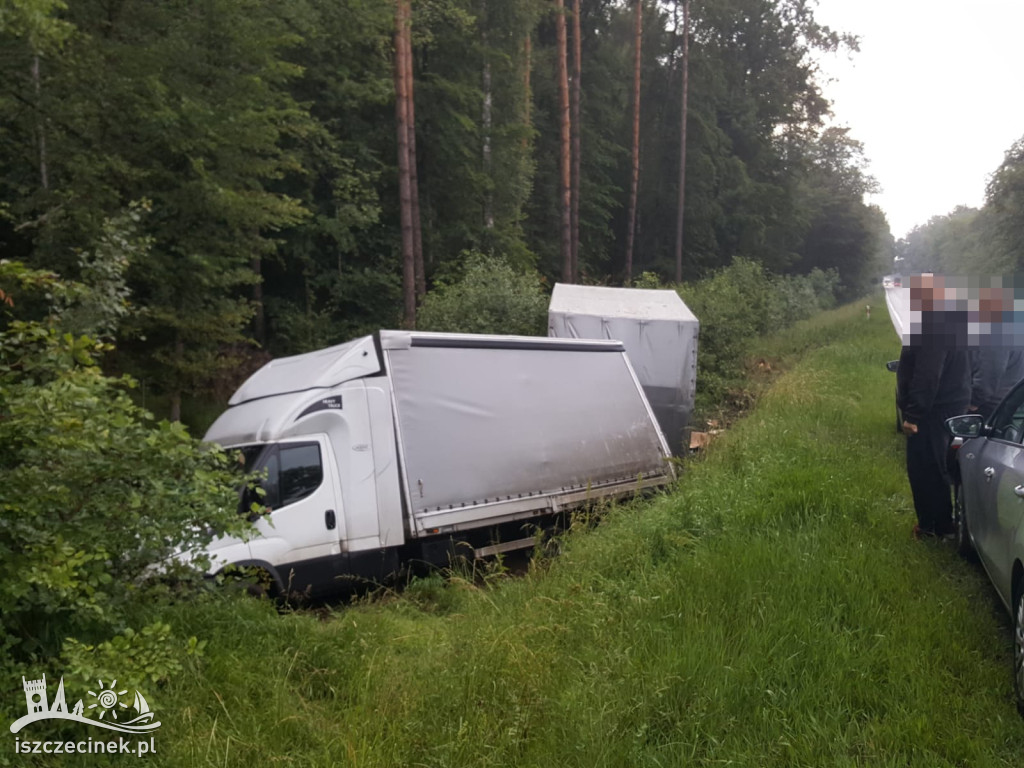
{"x":659,"y":333}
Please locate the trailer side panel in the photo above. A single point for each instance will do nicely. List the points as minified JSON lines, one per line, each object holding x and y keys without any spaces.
{"x":479,"y":425}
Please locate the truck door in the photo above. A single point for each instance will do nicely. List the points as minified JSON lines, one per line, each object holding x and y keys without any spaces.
{"x":301,"y":535}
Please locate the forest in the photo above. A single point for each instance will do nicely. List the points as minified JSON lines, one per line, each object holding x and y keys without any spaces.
{"x":240,"y":179}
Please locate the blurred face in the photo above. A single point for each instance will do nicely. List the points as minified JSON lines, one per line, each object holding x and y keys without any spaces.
{"x":925,"y":290}
{"x":991,"y":304}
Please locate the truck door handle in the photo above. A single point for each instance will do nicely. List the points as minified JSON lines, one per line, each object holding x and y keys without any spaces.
{"x":1019,"y":490}
{"x":990,"y":472}
{"x":330,"y":520}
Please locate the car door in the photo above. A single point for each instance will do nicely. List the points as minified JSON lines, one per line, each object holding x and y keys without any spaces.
{"x":301,"y":535}
{"x":996,"y":511}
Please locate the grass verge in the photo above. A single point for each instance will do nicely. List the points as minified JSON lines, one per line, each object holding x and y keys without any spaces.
{"x":772,"y":610}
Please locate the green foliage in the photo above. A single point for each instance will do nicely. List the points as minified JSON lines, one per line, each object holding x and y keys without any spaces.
{"x":1004,"y":203}
{"x":100,"y":309}
{"x":36,"y":21}
{"x":490,"y":296}
{"x":94,"y":494}
{"x":959,"y":242}
{"x":648,"y":280}
{"x":741,"y":303}
{"x":798,"y":297}
{"x":152,"y":654}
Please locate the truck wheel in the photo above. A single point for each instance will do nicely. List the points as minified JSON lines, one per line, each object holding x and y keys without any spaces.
{"x":256,"y":582}
{"x":260,"y":584}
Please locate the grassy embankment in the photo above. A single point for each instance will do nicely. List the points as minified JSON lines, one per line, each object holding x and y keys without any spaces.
{"x":771,"y":611}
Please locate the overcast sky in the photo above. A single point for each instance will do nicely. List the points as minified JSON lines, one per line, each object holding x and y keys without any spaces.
{"x":935,"y":96}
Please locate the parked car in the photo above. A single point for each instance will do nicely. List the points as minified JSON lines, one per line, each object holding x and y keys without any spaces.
{"x":989,"y":506}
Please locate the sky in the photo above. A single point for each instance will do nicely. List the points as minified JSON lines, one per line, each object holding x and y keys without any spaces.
{"x":934,"y":95}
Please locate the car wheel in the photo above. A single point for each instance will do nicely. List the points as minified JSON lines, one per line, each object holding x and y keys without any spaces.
{"x":1018,"y":646}
{"x":960,"y":529}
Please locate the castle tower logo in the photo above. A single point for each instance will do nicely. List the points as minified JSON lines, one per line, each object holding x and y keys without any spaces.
{"x":112,"y":711}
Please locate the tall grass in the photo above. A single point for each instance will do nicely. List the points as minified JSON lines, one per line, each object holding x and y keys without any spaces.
{"x":772,"y":610}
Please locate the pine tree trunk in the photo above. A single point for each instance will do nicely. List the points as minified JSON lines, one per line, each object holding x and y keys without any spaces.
{"x":404,"y":178}
{"x":563,"y":104}
{"x":527,"y":93}
{"x":525,"y":176}
{"x":44,"y":174}
{"x":259,"y":327}
{"x":486,"y":125}
{"x":575,"y":128}
{"x":179,"y":357}
{"x":414,"y":183}
{"x":634,"y":185}
{"x":682,"y":143}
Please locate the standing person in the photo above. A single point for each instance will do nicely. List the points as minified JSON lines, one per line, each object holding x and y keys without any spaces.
{"x":997,"y":363}
{"x":933,"y":384}
{"x":994,"y":371}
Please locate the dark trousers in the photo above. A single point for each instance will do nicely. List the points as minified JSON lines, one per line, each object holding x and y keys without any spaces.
{"x":929,"y":482}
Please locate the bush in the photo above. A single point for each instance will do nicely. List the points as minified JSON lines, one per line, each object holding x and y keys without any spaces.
{"x":94,"y":492}
{"x":738,"y":304}
{"x":490,"y":296}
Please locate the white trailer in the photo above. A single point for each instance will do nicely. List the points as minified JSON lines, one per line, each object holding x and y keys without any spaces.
{"x":659,"y":333}
{"x":394,"y":446}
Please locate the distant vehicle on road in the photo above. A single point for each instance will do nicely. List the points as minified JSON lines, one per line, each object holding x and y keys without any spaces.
{"x":988,"y":465}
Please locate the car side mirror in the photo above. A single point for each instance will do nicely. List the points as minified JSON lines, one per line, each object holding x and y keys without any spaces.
{"x":892,"y":366}
{"x":966,"y":426}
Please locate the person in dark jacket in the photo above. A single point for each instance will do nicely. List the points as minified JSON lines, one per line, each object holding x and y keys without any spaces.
{"x":994,"y":371}
{"x":997,"y":360}
{"x":933,"y":384}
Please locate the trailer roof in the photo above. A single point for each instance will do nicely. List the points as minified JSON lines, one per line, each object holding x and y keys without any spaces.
{"x":637,"y":303}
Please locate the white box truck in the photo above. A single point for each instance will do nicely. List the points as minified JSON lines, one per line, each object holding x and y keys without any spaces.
{"x":397,"y":446}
